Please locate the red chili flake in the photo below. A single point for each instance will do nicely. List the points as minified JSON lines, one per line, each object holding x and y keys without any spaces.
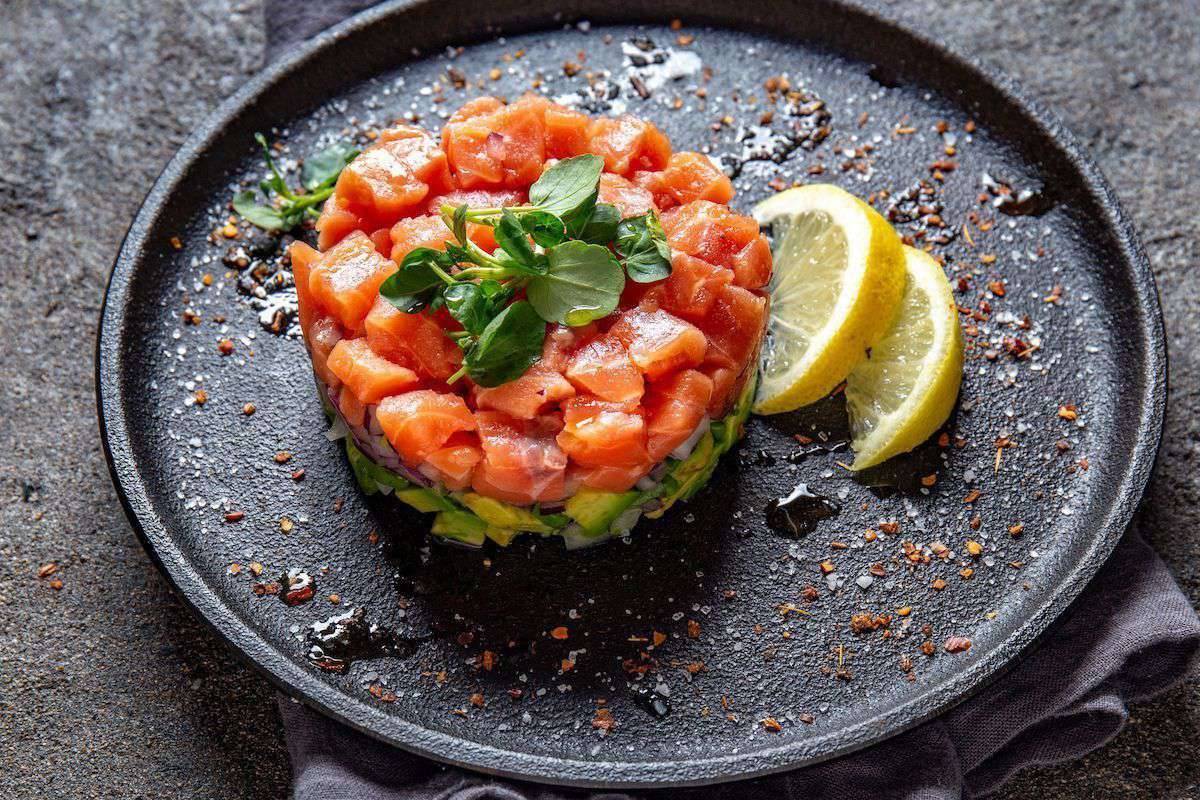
{"x":46,"y":570}
{"x":810,"y":593}
{"x":1068,"y":412}
{"x":235,"y":516}
{"x":957,"y":644}
{"x":693,"y":629}
{"x":560,"y":633}
{"x":996,"y":288}
{"x":1016,"y":529}
{"x":225,"y":347}
{"x":771,"y":724}
{"x":298,"y":475}
{"x":878,"y":570}
{"x":658,"y":638}
{"x":282,"y":457}
{"x":827,"y":567}
{"x":381,"y":693}
{"x":928,"y":648}
{"x":603,"y":720}
{"x":694,"y":667}
{"x":516,"y":694}
{"x":972,"y":496}
{"x":487,"y":660}
{"x":477,"y":700}
{"x":249,"y":409}
{"x":200,"y":397}
{"x":890,"y":528}
{"x":938,"y":584}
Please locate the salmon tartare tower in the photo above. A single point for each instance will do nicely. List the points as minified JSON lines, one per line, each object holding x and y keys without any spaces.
{"x":537,"y":322}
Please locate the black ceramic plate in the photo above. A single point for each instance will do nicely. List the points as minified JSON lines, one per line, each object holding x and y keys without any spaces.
{"x":709,"y":603}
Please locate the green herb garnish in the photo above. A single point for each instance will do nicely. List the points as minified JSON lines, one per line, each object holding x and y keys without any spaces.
{"x":285,"y":208}
{"x":558,"y":250}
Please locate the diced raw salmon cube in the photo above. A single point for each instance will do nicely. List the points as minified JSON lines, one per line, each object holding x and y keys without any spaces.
{"x":414,"y":340}
{"x":420,"y":422}
{"x":600,"y":434}
{"x":528,"y":395}
{"x":659,"y":342}
{"x":566,"y":132}
{"x":709,"y":231}
{"x":503,"y":148}
{"x":522,"y":463}
{"x":628,"y":144}
{"x":674,"y":407}
{"x":603,"y":368}
{"x":630,"y":199}
{"x":454,"y":464}
{"x":735,"y":326}
{"x":322,"y":336}
{"x":687,"y":177}
{"x":303,"y":259}
{"x":336,"y":223}
{"x":369,"y":376}
{"x":346,"y":280}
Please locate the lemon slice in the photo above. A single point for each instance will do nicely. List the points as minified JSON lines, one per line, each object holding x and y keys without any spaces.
{"x":905,"y":389}
{"x":839,"y":275}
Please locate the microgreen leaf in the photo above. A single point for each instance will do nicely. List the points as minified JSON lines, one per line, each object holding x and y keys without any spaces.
{"x":474,"y":305}
{"x":458,"y":224}
{"x":601,"y":226}
{"x":266,"y":217}
{"x":510,"y":235}
{"x":546,"y":229}
{"x":643,"y":246}
{"x":510,"y":344}
{"x":414,"y":284}
{"x":569,"y":186}
{"x":583,"y":282}
{"x":323,"y":169}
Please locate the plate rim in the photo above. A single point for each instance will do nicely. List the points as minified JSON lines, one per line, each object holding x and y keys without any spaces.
{"x":305,"y":686}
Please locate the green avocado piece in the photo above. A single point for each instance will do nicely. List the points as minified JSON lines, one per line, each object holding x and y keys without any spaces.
{"x":501,"y":536}
{"x":594,"y":510}
{"x":363,"y":467}
{"x":462,"y":526}
{"x":689,"y":475}
{"x":426,"y":500}
{"x":504,"y":515}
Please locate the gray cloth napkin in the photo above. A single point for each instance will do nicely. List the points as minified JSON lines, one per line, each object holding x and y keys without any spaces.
{"x":1130,"y":635}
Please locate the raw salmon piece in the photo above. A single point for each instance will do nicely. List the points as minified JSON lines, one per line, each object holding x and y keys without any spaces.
{"x":504,"y":148}
{"x":322,"y":336}
{"x":752,"y":265}
{"x":353,"y":410}
{"x":631,"y":200}
{"x":566,"y":132}
{"x":735,"y":326}
{"x":674,"y":407}
{"x":477,"y":198}
{"x":382,"y":239}
{"x":415,"y":340}
{"x":611,"y":479}
{"x":336,"y":223}
{"x":477,"y":107}
{"x":709,"y":231}
{"x":692,"y":287}
{"x":687,"y":177}
{"x":303,"y":259}
{"x":628,"y":144}
{"x":600,"y":434}
{"x":724,"y":380}
{"x":421,"y":153}
{"x":430,"y":231}
{"x":561,"y":341}
{"x":659,"y":342}
{"x":522,"y":463}
{"x":603,"y":368}
{"x":380,"y":183}
{"x":346,"y":279}
{"x":528,"y":395}
{"x":369,"y":376}
{"x":454,"y":464}
{"x":420,"y":422}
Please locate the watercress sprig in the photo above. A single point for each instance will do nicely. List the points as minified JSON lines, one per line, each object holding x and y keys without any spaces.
{"x":285,"y":209}
{"x":567,"y":253}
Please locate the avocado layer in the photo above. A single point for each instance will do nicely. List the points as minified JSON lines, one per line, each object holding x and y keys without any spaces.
{"x":589,"y":517}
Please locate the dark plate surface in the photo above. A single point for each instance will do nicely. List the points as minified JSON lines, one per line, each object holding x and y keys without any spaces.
{"x":709,"y":602}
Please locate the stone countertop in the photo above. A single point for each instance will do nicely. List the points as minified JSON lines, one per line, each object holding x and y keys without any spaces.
{"x":108,"y":687}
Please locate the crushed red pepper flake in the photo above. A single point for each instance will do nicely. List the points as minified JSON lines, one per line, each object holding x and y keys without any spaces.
{"x":1068,"y":412}
{"x":928,"y":648}
{"x":235,"y":516}
{"x":560,"y":633}
{"x":603,"y":720}
{"x":890,"y":528}
{"x":957,"y":644}
{"x":771,"y":724}
{"x":693,"y":629}
{"x":938,"y":584}
{"x":46,"y":570}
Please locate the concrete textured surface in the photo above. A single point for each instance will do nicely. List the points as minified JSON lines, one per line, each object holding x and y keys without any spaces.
{"x":108,"y":688}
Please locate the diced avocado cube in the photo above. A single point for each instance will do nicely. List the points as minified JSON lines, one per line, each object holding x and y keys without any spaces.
{"x":462,"y":526}
{"x":504,"y":515}
{"x":501,"y":536}
{"x":363,"y":469}
{"x":594,"y":510}
{"x":426,"y":500}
